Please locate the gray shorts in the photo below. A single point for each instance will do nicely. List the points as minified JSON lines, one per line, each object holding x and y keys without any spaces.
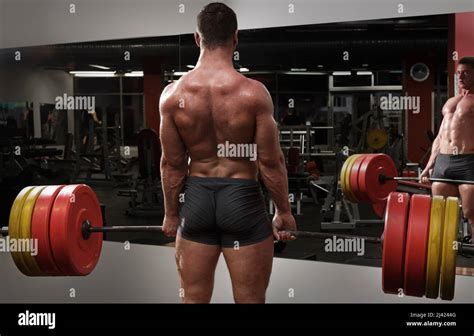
{"x":455,"y":167}
{"x":224,"y":211}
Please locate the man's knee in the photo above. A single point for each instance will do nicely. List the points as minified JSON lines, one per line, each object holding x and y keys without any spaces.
{"x":468,"y":212}
{"x":179,"y":262}
{"x":250,"y":290}
{"x":197,"y":293}
{"x":249,"y":295}
{"x":444,"y":189}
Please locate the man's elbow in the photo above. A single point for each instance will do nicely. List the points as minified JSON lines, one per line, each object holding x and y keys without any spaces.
{"x":272,"y":163}
{"x":176,"y":165}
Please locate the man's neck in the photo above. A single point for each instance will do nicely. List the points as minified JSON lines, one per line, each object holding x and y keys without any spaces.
{"x":468,"y":91}
{"x":218,"y":58}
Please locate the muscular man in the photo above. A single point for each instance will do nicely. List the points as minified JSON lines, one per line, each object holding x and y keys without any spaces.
{"x":452,"y":153}
{"x":223,"y":210}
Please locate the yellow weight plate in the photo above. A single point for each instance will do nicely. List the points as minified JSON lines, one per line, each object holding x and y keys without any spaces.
{"x":377,"y":138}
{"x":14,"y":227}
{"x":342,"y":176}
{"x":347,"y":178}
{"x":435,"y":243}
{"x":448,"y":259}
{"x":25,"y":230}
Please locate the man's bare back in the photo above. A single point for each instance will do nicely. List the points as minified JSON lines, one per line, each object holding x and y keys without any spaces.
{"x":211,"y":106}
{"x":223,"y":209}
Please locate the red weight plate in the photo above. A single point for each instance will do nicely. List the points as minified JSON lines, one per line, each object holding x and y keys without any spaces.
{"x":354,"y":178}
{"x":369,"y":177}
{"x":379,"y":208}
{"x":73,"y":254}
{"x":393,"y":253}
{"x":40,"y":229}
{"x":417,"y":245}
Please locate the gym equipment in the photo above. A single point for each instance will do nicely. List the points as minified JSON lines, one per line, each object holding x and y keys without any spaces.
{"x":337,"y":211}
{"x":372,"y":177}
{"x":146,"y":195}
{"x":393,"y":254}
{"x":149,"y":153}
{"x":40,"y":226}
{"x":14,"y":225}
{"x":373,"y":133}
{"x":435,"y":241}
{"x":75,"y":219}
{"x":448,"y":261}
{"x":74,"y":205}
{"x":377,"y":138}
{"x":362,"y":178}
{"x":54,"y":215}
{"x":345,"y":177}
{"x":303,"y":137}
{"x":417,"y":245}
{"x":101,"y":161}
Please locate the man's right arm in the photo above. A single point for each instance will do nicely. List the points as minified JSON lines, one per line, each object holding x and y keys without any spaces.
{"x":271,"y":163}
{"x":270,"y":158}
{"x":435,"y":148}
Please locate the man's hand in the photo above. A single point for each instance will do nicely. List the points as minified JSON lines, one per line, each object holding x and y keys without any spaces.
{"x":283,"y":223}
{"x":170,"y":225}
{"x":425,"y":175}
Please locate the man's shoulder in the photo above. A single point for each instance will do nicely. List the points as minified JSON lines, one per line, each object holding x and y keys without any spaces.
{"x":169,"y":89}
{"x":450,"y":104}
{"x":256,"y":90}
{"x":166,"y":98}
{"x":454,"y":100}
{"x":256,"y":85}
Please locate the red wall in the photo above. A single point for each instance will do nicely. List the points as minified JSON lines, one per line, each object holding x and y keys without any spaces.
{"x":417,"y":125}
{"x":152,"y":88}
{"x":460,"y":39}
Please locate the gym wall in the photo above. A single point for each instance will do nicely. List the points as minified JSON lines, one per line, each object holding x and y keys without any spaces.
{"x":28,"y":24}
{"x":2,"y":20}
{"x":37,"y":86}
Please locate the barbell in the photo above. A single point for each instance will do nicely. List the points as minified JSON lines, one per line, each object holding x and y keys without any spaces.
{"x":66,"y":221}
{"x":384,"y":178}
{"x":372,"y":177}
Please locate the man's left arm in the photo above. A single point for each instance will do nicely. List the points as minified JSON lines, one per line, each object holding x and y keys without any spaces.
{"x":174,"y":167}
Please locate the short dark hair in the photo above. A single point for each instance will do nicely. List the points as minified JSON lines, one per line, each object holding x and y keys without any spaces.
{"x":216,"y":24}
{"x":468,"y":60}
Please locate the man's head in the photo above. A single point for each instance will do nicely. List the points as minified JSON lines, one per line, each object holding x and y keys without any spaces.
{"x":216,"y":26}
{"x":465,"y":72}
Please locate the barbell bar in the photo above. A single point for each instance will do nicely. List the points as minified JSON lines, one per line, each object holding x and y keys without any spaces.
{"x":384,"y":178}
{"x":88,"y":229}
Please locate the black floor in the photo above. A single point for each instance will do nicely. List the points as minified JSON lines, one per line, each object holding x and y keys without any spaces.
{"x":302,"y":248}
